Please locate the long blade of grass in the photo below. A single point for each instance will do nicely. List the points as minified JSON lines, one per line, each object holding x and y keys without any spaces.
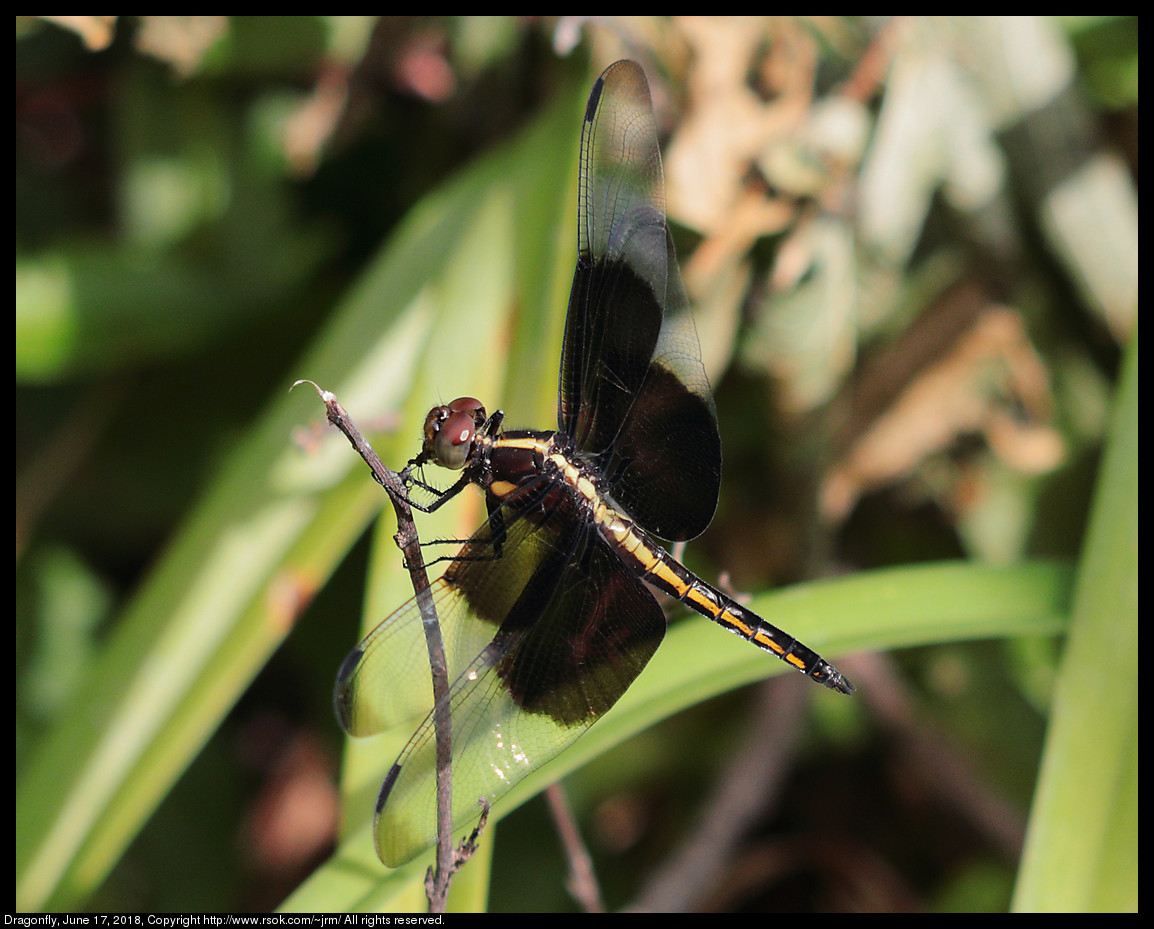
{"x":1081,"y":849}
{"x":432,"y":314}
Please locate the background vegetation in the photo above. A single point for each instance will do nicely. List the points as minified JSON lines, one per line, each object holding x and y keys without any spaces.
{"x":912,"y":248}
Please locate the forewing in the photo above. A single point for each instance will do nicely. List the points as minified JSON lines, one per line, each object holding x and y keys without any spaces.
{"x":633,"y":393}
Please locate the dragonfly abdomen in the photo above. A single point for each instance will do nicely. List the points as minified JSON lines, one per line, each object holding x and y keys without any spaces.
{"x":657,"y":567}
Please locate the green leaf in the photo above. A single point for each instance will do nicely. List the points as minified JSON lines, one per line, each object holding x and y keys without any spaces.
{"x":1082,"y":844}
{"x":872,"y":611}
{"x":433,"y":315}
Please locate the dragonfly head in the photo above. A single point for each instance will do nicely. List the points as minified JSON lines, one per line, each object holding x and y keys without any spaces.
{"x":449,"y":432}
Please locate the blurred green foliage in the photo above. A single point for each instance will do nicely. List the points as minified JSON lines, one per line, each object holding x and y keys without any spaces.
{"x":208,"y":208}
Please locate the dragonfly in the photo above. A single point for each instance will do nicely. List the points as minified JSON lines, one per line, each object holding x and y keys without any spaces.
{"x":547,"y":611}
